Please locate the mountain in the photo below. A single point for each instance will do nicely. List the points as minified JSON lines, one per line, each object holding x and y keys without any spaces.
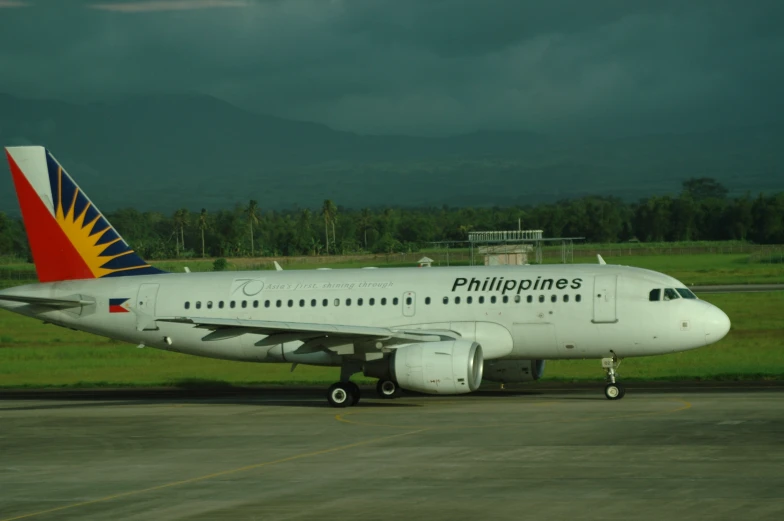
{"x":166,"y":152}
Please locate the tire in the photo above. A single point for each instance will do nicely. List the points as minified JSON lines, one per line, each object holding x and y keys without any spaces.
{"x":340,"y":395}
{"x":387,"y":389}
{"x":613,"y":391}
{"x":356,"y":394}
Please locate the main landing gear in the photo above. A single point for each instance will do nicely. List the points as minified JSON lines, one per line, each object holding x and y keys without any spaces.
{"x":343,"y":394}
{"x":613,"y":390}
{"x":346,"y":393}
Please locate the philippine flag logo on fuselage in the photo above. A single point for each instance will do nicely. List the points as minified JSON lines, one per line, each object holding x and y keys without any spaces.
{"x":119,"y":305}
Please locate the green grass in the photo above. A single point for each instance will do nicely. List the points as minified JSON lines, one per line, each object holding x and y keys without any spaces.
{"x":36,"y":355}
{"x":703,"y":269}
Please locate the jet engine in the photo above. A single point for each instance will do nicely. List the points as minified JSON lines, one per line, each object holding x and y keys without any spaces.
{"x":513,"y":371}
{"x":446,"y":367}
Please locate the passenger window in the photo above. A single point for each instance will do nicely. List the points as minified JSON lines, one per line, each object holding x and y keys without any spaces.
{"x":325,"y":302}
{"x":408,"y":301}
{"x":529,"y":298}
{"x":492,"y":299}
{"x":469,"y":300}
{"x":383,"y":301}
{"x":670,"y":294}
{"x":337,"y":302}
{"x":371,"y":302}
{"x":446,"y":300}
{"x":302,"y":302}
{"x":348,"y":301}
{"x":566,"y":298}
{"x":244,"y":303}
{"x":198,"y":304}
{"x":427,"y":301}
{"x":685,"y":293}
{"x":654,"y":295}
{"x":291,"y":303}
{"x":278,"y":303}
{"x":505,"y":299}
{"x":482,"y":299}
{"x":554,"y":298}
{"x":541,"y":298}
{"x":457,"y":300}
{"x":209,"y":304}
{"x":578,"y":298}
{"x":231,"y":304}
{"x":266,"y":303}
{"x":395,"y":301}
{"x":517,"y":299}
{"x":313,"y":303}
{"x":255,"y":303}
{"x":187,"y":305}
{"x":359,"y":302}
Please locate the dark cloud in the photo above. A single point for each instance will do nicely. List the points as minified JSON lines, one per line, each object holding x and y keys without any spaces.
{"x":413,"y":66}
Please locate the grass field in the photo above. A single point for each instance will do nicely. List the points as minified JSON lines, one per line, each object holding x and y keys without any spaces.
{"x":37,"y":355}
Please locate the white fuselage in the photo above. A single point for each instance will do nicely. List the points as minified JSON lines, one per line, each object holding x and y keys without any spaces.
{"x":514,"y":312}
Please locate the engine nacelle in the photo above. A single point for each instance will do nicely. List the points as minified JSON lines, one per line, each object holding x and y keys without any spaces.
{"x":513,"y":371}
{"x":447,"y":367}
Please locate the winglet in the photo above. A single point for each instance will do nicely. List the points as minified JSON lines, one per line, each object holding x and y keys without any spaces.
{"x":600,"y":259}
{"x":69,"y":237}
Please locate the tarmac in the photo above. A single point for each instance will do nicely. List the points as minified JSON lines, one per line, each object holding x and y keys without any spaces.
{"x":546,"y":453}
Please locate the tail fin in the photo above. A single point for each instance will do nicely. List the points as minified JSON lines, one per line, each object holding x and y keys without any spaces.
{"x":69,"y":238}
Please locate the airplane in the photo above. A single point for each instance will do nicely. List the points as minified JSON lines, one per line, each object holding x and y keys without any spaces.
{"x":439,"y":330}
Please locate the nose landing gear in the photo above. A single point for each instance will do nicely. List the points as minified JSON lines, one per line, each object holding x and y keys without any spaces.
{"x":613,"y":390}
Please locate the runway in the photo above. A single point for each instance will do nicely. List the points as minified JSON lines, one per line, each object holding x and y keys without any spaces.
{"x":662,"y":452}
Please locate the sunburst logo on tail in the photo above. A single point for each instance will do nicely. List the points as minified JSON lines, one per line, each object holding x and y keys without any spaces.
{"x":101,"y":248}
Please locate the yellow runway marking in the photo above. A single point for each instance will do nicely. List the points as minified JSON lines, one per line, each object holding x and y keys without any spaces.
{"x":211,"y":476}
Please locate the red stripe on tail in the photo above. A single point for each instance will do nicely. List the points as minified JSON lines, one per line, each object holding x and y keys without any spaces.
{"x":54,"y":256}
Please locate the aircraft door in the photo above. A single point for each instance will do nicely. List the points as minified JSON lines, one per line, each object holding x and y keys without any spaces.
{"x":604,"y":305}
{"x":409,"y":303}
{"x":146,"y":299}
{"x":145,"y":307}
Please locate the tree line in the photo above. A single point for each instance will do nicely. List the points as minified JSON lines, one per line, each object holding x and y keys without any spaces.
{"x":701,"y":211}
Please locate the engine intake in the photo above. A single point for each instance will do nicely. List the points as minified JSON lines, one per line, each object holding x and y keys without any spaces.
{"x":447,"y":367}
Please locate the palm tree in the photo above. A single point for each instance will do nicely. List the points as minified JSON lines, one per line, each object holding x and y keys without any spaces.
{"x":253,"y":218}
{"x":184,"y":218}
{"x":180,"y":219}
{"x":203,"y":225}
{"x":464,"y":229}
{"x":329,"y":211}
{"x":365,"y":222}
{"x":315,"y":246}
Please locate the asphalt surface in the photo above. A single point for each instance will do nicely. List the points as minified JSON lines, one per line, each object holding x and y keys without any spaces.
{"x":663,"y":452}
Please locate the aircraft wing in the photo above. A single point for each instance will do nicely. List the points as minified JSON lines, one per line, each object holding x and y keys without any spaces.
{"x":49,"y":302}
{"x":278,"y":332}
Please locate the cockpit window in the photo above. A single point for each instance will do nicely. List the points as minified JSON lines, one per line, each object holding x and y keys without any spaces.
{"x":686,"y":293}
{"x":670,"y":294}
{"x":654,"y":295}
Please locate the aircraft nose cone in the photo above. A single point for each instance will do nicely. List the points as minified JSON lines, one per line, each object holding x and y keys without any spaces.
{"x":717,"y":325}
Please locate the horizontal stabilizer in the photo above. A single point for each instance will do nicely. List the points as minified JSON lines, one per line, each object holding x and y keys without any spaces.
{"x":49,"y":302}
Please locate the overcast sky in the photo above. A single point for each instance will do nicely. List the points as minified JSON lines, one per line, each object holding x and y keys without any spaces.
{"x":415,"y":66}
